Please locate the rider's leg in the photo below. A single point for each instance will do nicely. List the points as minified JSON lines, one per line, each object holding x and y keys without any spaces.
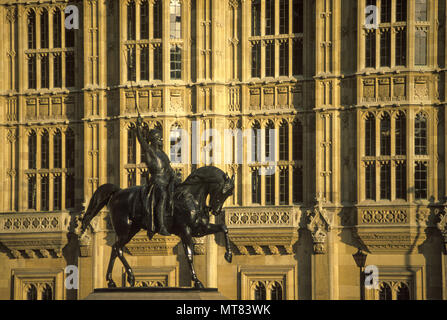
{"x":160,"y":210}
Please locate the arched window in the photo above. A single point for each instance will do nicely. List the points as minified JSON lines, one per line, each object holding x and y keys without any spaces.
{"x":175,"y":12}
{"x":403,"y":293}
{"x":144,"y":20}
{"x":31,"y":293}
{"x":420,"y":134}
{"x":45,"y":147}
{"x":31,"y":30}
{"x":131,"y":145}
{"x":385,"y":292}
{"x":45,"y":72}
{"x":45,"y":193}
{"x":131,"y":21}
{"x":297,"y":141}
{"x":69,"y":149}
{"x":370,"y":135}
{"x":256,"y":17}
{"x":255,"y":143}
{"x":270,"y":141}
{"x":401,"y":135}
{"x":57,"y":146}
{"x":47,"y":293}
{"x":276,"y":291}
{"x":269,"y":17}
{"x":385,"y":135}
{"x":32,"y":147}
{"x":284,"y":141}
{"x":44,"y":29}
{"x":259,"y":291}
{"x":57,"y":29}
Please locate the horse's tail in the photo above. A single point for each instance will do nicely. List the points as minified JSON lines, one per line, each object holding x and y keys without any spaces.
{"x":99,"y":199}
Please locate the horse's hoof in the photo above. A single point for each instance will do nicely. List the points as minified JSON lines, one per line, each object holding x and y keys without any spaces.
{"x":198,"y":284}
{"x":111,"y":284}
{"x":228,"y":256}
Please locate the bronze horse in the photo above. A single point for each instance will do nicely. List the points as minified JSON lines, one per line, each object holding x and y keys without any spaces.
{"x":190,"y":218}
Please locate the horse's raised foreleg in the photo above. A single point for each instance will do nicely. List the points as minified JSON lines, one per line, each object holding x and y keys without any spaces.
{"x":215,"y":228}
{"x":187,"y":246}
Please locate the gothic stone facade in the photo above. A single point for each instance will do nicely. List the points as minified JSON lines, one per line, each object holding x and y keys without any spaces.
{"x":360,"y":150}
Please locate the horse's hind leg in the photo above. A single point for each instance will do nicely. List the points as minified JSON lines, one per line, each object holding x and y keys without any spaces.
{"x":110,"y":282}
{"x":187,"y":246}
{"x":118,"y":248}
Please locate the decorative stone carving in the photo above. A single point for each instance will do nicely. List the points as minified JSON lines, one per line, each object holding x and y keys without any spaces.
{"x":384,"y":216}
{"x":319,"y":224}
{"x":140,"y":245}
{"x":199,"y":246}
{"x":442,"y":227}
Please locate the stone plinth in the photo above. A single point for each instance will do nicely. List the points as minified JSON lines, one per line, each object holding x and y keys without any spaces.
{"x":145,"y":293}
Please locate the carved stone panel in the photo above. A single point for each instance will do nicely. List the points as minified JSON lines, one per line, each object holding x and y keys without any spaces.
{"x":384,"y":89}
{"x":156,"y":101}
{"x":255,"y":99}
{"x":369,"y":90}
{"x":297,"y":96}
{"x":269,"y":98}
{"x":283,"y":97}
{"x":399,"y":89}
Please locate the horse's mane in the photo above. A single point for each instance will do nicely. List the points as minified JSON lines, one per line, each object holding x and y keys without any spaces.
{"x":208,"y":174}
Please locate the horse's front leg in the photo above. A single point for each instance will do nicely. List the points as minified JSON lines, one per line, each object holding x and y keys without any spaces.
{"x":187,"y":246}
{"x":215,"y":228}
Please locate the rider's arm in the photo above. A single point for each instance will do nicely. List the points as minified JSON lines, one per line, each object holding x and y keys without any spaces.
{"x":144,"y":145}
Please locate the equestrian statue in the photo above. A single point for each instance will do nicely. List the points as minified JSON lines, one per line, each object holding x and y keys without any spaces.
{"x":164,"y":205}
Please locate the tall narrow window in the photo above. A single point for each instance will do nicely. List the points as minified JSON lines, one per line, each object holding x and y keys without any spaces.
{"x":420,"y":134}
{"x":32,"y":30}
{"x":401,"y":181}
{"x":385,"y":181}
{"x":47,"y":293}
{"x":276,"y":291}
{"x":260,"y":293}
{"x":131,"y":65}
{"x":131,"y":21}
{"x":297,"y":57}
{"x":70,"y":191}
{"x":420,"y":48}
{"x":69,"y":149}
{"x":144,"y":63}
{"x":176,"y":63}
{"x":158,"y":65}
{"x":57,"y":71}
{"x":284,"y":142}
{"x":269,"y":17}
{"x":270,"y":189}
{"x":32,"y":83}
{"x":45,"y":194}
{"x":255,"y":143}
{"x":421,"y":10}
{"x":131,"y":178}
{"x":370,"y":50}
{"x":45,"y":148}
{"x":144,"y":20}
{"x":403,"y":293}
{"x":370,"y":181}
{"x":370,"y":135}
{"x":298,"y":16}
{"x":32,"y":147}
{"x":175,"y":144}
{"x":69,"y":38}
{"x":283,"y":16}
{"x":57,"y":147}
{"x":401,"y":135}
{"x":255,"y":187}
{"x":45,"y":72}
{"x":44,"y":29}
{"x":401,"y":10}
{"x":70,"y":70}
{"x":32,"y":192}
{"x":401,"y":48}
{"x":157,"y":19}
{"x":298,"y":185}
{"x":175,"y":19}
{"x":284,"y":59}
{"x":385,"y":135}
{"x":297,"y":141}
{"x":420,"y":181}
{"x":385,"y":11}
{"x":57,"y":192}
{"x":269,"y":140}
{"x":385,"y":48}
{"x":256,"y":18}
{"x":270,"y":60}
{"x":57,"y":29}
{"x":131,"y":146}
{"x":31,"y":294}
{"x":256,"y":60}
{"x":284,"y":187}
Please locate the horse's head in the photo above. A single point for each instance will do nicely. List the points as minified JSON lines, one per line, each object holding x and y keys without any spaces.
{"x":220,"y":193}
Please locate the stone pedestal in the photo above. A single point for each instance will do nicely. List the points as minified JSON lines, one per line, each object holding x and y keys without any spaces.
{"x":144,"y":293}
